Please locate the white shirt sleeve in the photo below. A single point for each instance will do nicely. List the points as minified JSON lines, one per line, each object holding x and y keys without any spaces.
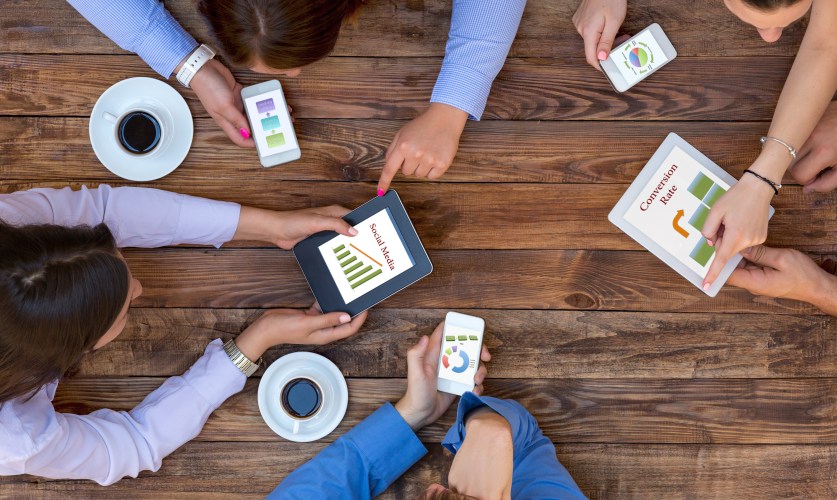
{"x":108,"y":445}
{"x":138,"y":217}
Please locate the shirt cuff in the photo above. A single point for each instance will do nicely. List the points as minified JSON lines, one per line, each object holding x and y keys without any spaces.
{"x":462,"y":87}
{"x":205,"y":221}
{"x":165,"y":44}
{"x":470,"y":402}
{"x":227,"y":379}
{"x":388,"y":442}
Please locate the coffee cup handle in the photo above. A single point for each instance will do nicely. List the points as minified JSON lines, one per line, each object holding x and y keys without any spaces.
{"x":296,"y":426}
{"x":109,"y":117}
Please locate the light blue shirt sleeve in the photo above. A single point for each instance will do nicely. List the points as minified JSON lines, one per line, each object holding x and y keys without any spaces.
{"x":144,"y":27}
{"x":361,"y":464}
{"x":537,"y":472}
{"x":481,"y":33}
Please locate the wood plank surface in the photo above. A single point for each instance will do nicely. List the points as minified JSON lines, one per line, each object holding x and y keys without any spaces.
{"x":728,"y":411}
{"x":251,"y":470}
{"x":548,"y":279}
{"x":366,"y":87}
{"x":524,"y":344}
{"x":58,"y":149}
{"x":546,"y":30}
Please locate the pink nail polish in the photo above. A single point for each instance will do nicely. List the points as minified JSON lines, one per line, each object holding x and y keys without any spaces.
{"x":710,"y":243}
{"x":244,"y":133}
{"x":602,"y":55}
{"x":707,"y":286}
{"x":380,"y":192}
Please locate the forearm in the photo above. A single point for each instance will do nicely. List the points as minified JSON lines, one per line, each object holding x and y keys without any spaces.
{"x":824,"y":294}
{"x":807,"y":92}
{"x":255,"y":224}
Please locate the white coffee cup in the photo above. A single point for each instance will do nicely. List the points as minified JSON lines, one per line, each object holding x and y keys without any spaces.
{"x":133,"y":124}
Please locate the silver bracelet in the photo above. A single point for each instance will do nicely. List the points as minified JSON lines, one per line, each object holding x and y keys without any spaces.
{"x":780,"y":141}
{"x":241,"y":361}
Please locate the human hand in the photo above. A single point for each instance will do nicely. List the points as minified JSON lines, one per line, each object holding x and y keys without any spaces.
{"x":425,"y":147}
{"x":738,"y":220}
{"x":423,"y":404}
{"x":484,"y":464}
{"x":294,"y":326}
{"x":220,"y":95}
{"x":783,"y":273}
{"x":598,"y":22}
{"x":286,"y":229}
{"x":818,"y":156}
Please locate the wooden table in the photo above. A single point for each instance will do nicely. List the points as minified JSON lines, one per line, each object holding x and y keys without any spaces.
{"x":647,"y":387}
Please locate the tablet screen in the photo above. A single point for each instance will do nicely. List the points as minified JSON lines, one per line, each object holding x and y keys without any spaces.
{"x":672,"y":209}
{"x":359,"y":264}
{"x":638,"y":56}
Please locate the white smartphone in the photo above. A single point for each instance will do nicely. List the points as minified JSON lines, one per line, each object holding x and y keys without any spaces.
{"x":270,"y":123}
{"x":639,"y":57}
{"x":459,"y":358}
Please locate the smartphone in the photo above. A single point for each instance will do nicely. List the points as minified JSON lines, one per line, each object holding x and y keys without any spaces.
{"x":634,"y":60}
{"x":459,"y":358}
{"x":270,"y":123}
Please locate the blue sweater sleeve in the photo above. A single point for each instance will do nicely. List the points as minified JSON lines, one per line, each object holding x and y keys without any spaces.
{"x":361,"y":464}
{"x":481,"y":33}
{"x":537,"y":471}
{"x":144,"y":27}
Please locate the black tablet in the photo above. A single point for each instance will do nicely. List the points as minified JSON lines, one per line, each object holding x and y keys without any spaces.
{"x":353,"y":273}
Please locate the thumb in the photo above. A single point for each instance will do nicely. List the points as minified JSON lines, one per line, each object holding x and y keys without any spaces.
{"x":605,"y":44}
{"x":764,"y":256}
{"x":240,"y":127}
{"x":415,"y":356}
{"x":323,"y":321}
{"x":336,"y":224}
{"x":826,"y":182}
{"x":742,"y":278}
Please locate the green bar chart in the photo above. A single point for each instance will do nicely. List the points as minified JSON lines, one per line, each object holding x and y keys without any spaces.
{"x":358,"y":267}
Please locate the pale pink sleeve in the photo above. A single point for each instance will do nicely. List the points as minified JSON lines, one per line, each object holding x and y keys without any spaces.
{"x":108,"y":445}
{"x":138,"y":217}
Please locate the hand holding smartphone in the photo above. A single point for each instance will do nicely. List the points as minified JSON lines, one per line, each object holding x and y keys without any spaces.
{"x":460,"y":353}
{"x":273,"y":130}
{"x":639,"y":57}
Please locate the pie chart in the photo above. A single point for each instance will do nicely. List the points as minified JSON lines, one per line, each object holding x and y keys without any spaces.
{"x":449,"y":360}
{"x":638,"y":57}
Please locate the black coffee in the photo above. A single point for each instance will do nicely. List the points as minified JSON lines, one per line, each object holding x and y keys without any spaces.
{"x":139,"y":132}
{"x":301,"y":398}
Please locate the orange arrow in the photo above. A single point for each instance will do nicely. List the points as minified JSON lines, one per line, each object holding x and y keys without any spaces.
{"x":677,"y":227}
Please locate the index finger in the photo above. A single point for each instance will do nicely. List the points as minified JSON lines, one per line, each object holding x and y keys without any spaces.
{"x":725,"y":248}
{"x":391,"y":167}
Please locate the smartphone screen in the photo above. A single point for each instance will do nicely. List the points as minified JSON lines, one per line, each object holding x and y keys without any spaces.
{"x":272,"y":128}
{"x":460,"y":354}
{"x":637,"y":57}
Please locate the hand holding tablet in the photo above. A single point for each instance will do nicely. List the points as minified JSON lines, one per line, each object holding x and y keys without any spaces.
{"x":668,"y":205}
{"x":353,"y":273}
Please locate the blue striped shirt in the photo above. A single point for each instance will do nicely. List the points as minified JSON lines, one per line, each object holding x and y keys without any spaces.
{"x":481,"y":33}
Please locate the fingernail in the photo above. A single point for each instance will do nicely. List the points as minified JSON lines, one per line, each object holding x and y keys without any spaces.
{"x":602,"y":55}
{"x":710,"y":243}
{"x":706,"y":286}
{"x":353,"y":231}
{"x":345,"y":318}
{"x":244,"y":133}
{"x":380,"y":192}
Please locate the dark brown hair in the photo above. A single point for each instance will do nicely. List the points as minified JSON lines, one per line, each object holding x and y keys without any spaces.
{"x":445,"y":494}
{"x":283,"y":34}
{"x":61,"y":289}
{"x":769,"y":5}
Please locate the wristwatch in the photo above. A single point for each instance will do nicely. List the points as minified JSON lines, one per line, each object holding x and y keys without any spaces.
{"x":193,"y":63}
{"x":241,"y":361}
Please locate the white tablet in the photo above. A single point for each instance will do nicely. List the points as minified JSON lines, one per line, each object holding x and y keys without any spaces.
{"x":666,"y":207}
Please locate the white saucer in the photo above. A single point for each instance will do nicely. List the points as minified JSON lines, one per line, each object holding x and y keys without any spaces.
{"x":317,"y":368}
{"x":171,"y":110}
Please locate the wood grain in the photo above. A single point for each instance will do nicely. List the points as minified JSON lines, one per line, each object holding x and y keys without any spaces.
{"x":546,"y":30}
{"x":692,"y":89}
{"x":250,"y":470}
{"x":58,"y":149}
{"x":560,"y":279}
{"x":728,"y":411}
{"x":523,"y":343}
{"x":471,"y":216}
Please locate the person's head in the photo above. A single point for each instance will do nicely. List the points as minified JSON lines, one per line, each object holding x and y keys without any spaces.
{"x":439,"y":492}
{"x":64,"y":291}
{"x":769,"y":17}
{"x":275,"y":36}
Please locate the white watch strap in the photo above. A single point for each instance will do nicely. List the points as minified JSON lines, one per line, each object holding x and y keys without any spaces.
{"x":193,"y":63}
